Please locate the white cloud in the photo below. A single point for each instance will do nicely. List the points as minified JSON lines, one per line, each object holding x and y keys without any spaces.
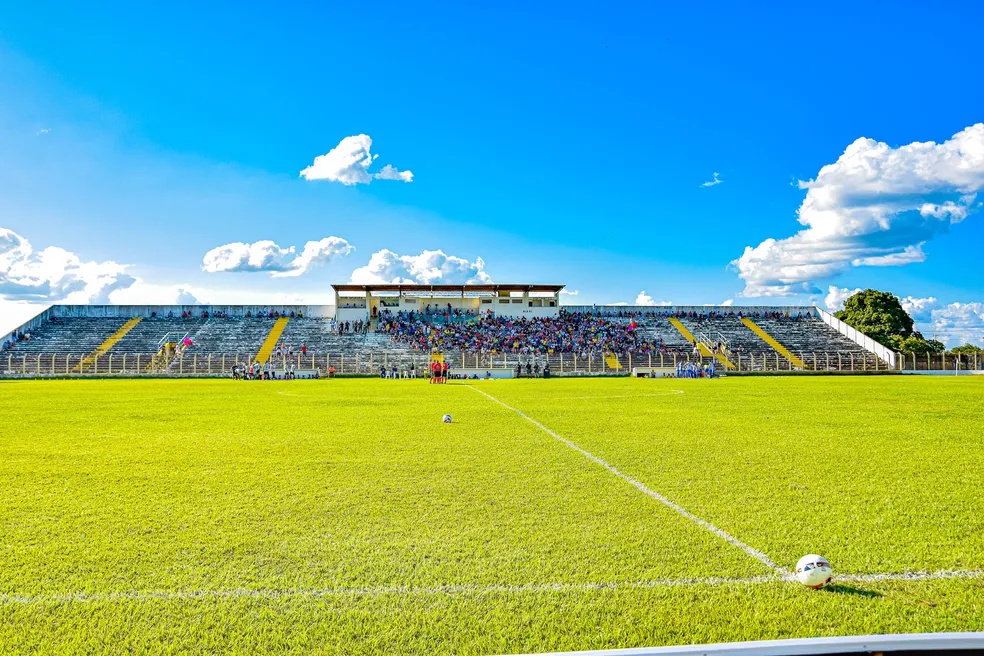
{"x":147,"y":293}
{"x":729,"y":302}
{"x":349,"y":163}
{"x":32,"y":281}
{"x":184,"y":297}
{"x":316,"y":253}
{"x":715,"y":181}
{"x":430,"y":267}
{"x":569,"y":292}
{"x":958,"y":323}
{"x":54,"y":274}
{"x":42,"y":131}
{"x":267,"y":256}
{"x":16,"y":313}
{"x":920,"y":309}
{"x":390,"y":172}
{"x":836,"y":297}
{"x":645,"y":299}
{"x":875,"y":206}
{"x":953,"y":323}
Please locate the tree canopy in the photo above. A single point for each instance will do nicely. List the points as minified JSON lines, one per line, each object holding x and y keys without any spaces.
{"x":880,"y":316}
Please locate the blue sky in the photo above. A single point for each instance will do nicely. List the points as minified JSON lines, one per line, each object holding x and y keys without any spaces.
{"x":566,"y":143}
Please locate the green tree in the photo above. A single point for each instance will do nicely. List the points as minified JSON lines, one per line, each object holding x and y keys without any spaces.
{"x":968,"y":349}
{"x":915,"y":344}
{"x":880,"y":316}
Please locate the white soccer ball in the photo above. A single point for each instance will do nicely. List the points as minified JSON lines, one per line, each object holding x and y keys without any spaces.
{"x":814,"y":571}
{"x":446,"y":419}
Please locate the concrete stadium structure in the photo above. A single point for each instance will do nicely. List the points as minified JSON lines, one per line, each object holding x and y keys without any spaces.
{"x":210,"y":339}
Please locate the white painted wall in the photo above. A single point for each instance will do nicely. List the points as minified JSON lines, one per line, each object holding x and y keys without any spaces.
{"x":859,"y":338}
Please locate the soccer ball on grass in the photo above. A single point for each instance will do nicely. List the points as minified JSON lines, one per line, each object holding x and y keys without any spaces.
{"x":814,"y":571}
{"x":446,"y":419}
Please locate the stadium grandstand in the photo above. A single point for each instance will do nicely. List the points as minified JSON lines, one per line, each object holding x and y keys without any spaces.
{"x":477,"y":328}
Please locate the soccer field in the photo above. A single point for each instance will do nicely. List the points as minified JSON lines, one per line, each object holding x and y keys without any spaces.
{"x":343,"y":516}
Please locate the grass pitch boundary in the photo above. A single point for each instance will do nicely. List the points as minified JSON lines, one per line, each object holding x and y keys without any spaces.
{"x":533,"y":588}
{"x":703,"y":523}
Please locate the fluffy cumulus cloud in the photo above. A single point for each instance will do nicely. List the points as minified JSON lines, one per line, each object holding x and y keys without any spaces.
{"x":920,"y":309}
{"x":645,"y":299}
{"x":959,"y":323}
{"x":32,"y":280}
{"x":349,"y":163}
{"x":266,"y":256}
{"x":142,"y":292}
{"x":951,"y":323}
{"x":837,"y":295}
{"x":430,"y":267}
{"x":875,"y":206}
{"x":54,"y":274}
{"x":390,"y":172}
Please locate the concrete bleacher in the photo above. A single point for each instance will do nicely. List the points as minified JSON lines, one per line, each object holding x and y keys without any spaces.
{"x":808,"y":336}
{"x":318,"y":338}
{"x":659,"y":328}
{"x":819,"y":345}
{"x":68,"y":336}
{"x":230,"y":336}
{"x":729,"y":330}
{"x":147,"y":336}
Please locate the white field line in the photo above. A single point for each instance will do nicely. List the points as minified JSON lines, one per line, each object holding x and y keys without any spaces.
{"x":910,"y":576}
{"x":721,"y":533}
{"x":531,"y":588}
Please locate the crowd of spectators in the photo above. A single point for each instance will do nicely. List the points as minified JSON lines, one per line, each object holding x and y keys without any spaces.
{"x":219,"y":314}
{"x":580,"y":334}
{"x":693,"y":314}
{"x":274,"y":314}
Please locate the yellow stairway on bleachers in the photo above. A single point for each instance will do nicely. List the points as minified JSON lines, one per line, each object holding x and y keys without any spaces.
{"x":108,"y":344}
{"x":612,"y":361}
{"x":771,"y":341}
{"x":271,"y":340}
{"x":689,"y":336}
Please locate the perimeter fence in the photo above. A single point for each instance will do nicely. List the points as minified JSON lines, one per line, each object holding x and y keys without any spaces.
{"x":560,"y":364}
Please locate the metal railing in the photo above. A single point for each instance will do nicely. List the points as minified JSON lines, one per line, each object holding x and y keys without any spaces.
{"x":369,"y":363}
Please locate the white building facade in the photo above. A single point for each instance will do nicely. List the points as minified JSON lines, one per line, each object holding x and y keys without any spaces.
{"x":361,"y":302}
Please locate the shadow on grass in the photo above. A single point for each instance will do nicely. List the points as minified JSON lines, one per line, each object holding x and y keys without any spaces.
{"x":840,"y":588}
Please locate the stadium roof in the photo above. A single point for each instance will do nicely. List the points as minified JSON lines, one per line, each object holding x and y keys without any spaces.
{"x":446,"y":288}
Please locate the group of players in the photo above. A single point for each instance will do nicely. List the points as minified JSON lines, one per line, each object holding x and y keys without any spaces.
{"x":439,"y":372}
{"x":266,"y":371}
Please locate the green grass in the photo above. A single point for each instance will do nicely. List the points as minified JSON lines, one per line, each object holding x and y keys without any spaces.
{"x":367,"y":526}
